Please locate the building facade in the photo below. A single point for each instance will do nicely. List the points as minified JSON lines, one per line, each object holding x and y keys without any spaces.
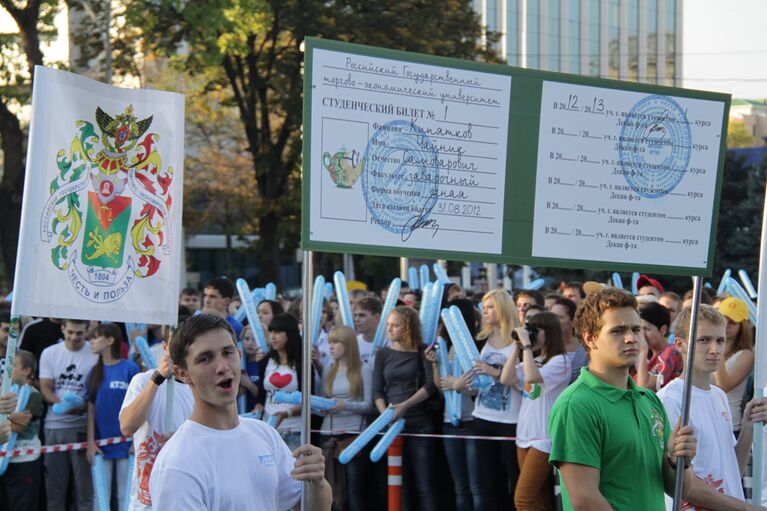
{"x":635,"y":40}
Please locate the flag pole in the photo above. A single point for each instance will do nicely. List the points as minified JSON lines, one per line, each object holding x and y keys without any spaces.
{"x":687,"y":395}
{"x":760,"y":358}
{"x":306,"y":361}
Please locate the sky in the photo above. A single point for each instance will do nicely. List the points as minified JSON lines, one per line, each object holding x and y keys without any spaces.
{"x":724,"y":47}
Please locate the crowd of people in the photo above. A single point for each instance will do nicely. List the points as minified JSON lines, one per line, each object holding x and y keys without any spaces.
{"x":587,"y":378}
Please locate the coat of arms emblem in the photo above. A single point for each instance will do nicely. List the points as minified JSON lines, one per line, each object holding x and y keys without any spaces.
{"x":117,"y":183}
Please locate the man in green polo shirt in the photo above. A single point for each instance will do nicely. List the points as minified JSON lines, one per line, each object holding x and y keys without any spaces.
{"x":611,"y":439}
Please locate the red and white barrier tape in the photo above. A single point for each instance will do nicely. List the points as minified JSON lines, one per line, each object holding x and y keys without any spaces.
{"x":121,"y":439}
{"x":64,"y":447}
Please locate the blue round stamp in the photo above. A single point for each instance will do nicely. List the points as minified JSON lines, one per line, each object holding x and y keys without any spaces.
{"x":400,"y":183}
{"x":654,"y":146}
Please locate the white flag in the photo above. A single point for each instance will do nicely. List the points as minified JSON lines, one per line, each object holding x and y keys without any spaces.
{"x":101,"y":218}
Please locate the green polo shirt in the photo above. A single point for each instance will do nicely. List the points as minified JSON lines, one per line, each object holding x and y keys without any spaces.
{"x":622,"y":433}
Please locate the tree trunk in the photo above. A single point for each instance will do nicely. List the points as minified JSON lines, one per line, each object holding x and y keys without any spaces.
{"x":269,"y":247}
{"x":11,"y":188}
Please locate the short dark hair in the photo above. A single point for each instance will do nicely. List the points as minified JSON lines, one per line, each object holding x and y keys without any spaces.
{"x":222,"y":285}
{"x":190,"y":291}
{"x":371,"y":304}
{"x":189,"y":330}
{"x":76,"y":321}
{"x":532,"y":293}
{"x":576,"y":285}
{"x":568,"y":304}
{"x":5,"y":316}
{"x":655,"y":313}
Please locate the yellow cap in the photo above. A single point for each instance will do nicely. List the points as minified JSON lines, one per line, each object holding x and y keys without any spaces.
{"x":734,"y":308}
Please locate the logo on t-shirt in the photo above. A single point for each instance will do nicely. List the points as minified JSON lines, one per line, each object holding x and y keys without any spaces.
{"x":658,"y":428}
{"x":70,"y":379}
{"x":280,"y":380}
{"x":267,"y":460}
{"x":532,"y":392}
{"x":146,"y":454}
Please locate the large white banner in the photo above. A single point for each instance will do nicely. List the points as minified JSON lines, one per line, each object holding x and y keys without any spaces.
{"x":101,"y":219}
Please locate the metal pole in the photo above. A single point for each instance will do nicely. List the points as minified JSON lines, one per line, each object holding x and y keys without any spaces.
{"x":306,"y":361}
{"x":404,"y":264}
{"x":760,"y":356}
{"x":697,"y":287}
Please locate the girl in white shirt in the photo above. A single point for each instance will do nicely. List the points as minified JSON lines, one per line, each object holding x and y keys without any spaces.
{"x":350,"y":383}
{"x":281,"y":370}
{"x":496,"y":408}
{"x":543,"y":374}
{"x":738,"y":357}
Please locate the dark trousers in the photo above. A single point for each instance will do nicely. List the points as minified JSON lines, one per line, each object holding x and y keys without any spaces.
{"x":497,"y":464}
{"x":461,"y":456}
{"x":20,"y":485}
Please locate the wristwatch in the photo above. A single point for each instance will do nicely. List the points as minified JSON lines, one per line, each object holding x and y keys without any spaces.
{"x":157,"y":378}
{"x":527,"y":347}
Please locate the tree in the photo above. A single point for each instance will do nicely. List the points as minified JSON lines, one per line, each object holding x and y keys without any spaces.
{"x":740,"y":217}
{"x":738,"y":135}
{"x":254,"y":48}
{"x":19,"y":54}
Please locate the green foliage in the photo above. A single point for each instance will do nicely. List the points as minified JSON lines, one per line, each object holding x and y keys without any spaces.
{"x":738,"y":135}
{"x":740,"y":218}
{"x":253,"y":47}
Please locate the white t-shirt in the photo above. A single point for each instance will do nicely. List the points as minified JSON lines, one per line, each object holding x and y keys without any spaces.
{"x":715,"y":461}
{"x":497,"y":403}
{"x":149,"y":438}
{"x":69,"y":371}
{"x":247,"y":467}
{"x":366,"y":348}
{"x":323,"y":347}
{"x":281,"y":377}
{"x":537,"y":400}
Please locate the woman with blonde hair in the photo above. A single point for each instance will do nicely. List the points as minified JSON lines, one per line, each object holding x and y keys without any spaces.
{"x":403,"y":378}
{"x":738,"y":363}
{"x":351,"y":384}
{"x":496,"y":408}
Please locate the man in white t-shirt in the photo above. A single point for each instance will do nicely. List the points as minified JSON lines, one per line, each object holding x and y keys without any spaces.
{"x":367,"y":315}
{"x":64,"y":368}
{"x":217,"y":460}
{"x":720,"y":460}
{"x":142,"y":416}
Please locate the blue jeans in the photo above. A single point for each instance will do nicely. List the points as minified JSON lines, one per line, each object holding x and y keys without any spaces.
{"x":418,"y":467}
{"x":462,"y":454}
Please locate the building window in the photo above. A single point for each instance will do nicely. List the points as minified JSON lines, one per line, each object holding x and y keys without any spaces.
{"x":633,"y":40}
{"x":613,"y":38}
{"x":574,"y":36}
{"x":594,"y":32}
{"x":652,"y":41}
{"x":553,"y":21}
{"x":512,"y":36}
{"x":533,"y":35}
{"x":670,"y":42}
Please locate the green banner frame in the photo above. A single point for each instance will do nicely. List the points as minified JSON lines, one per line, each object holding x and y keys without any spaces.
{"x":523,"y":128}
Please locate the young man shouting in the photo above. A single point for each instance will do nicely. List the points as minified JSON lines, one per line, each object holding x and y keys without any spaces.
{"x":720,"y":461}
{"x":611,"y":439}
{"x":217,"y":460}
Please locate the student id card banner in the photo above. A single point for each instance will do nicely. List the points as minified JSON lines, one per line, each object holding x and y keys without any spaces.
{"x":421,"y":156}
{"x":101,"y":216}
